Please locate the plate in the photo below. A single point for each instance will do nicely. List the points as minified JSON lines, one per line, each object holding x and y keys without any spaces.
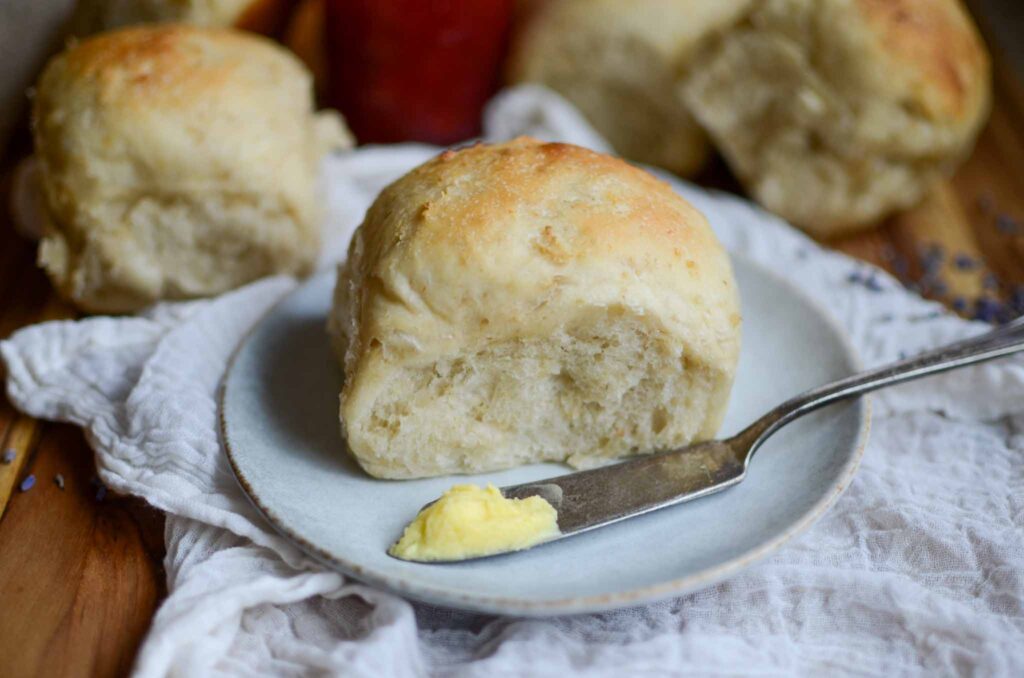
{"x":279,"y":406}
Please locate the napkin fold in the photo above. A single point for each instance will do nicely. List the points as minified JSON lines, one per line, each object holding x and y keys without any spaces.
{"x":918,"y":568}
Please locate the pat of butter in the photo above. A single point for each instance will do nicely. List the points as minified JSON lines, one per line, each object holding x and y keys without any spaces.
{"x":469,"y":522}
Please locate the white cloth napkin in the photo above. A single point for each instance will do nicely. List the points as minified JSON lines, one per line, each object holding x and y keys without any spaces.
{"x":918,"y":569}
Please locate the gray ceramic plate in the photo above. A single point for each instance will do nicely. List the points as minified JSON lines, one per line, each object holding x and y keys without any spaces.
{"x":280,"y":419}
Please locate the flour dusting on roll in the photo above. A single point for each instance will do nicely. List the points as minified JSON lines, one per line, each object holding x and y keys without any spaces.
{"x":527,"y":301}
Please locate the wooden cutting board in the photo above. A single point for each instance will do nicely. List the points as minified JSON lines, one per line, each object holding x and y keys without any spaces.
{"x":81,"y":573}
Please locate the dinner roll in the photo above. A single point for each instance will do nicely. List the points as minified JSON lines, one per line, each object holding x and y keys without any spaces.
{"x":531,"y":301}
{"x":176,"y":162}
{"x":618,"y":63}
{"x":262,"y":16}
{"x":835,"y":113}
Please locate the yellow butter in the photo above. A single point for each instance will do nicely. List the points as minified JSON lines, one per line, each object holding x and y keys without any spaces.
{"x":469,"y":521}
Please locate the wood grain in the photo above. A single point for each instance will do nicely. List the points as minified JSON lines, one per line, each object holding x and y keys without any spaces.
{"x":80,"y":578}
{"x":28,"y":299}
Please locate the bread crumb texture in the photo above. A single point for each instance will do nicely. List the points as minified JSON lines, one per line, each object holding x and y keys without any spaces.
{"x":618,"y":63}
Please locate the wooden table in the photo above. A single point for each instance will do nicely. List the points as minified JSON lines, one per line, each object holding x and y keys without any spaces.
{"x":80,"y":577}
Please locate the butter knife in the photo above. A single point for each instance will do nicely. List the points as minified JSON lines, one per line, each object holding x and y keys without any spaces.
{"x":591,"y":499}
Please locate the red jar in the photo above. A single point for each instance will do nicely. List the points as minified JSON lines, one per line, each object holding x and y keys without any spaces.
{"x":415,"y":70}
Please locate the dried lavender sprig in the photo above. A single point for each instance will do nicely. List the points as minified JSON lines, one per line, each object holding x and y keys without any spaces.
{"x":965,"y":262}
{"x":1007,"y":224}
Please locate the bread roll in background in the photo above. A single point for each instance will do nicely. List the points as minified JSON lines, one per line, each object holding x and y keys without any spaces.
{"x":530,"y":301}
{"x":261,"y":16}
{"x":835,"y":113}
{"x":618,"y":62}
{"x":176,"y":162}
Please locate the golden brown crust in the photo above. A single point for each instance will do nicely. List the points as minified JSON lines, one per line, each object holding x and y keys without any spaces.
{"x":165,"y":65}
{"x":940,"y":44}
{"x":524,"y":167}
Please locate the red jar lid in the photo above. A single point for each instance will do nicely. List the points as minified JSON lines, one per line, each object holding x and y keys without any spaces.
{"x":415,"y":70}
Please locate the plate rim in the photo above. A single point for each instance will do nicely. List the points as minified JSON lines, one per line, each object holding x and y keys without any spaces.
{"x":501,"y":605}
